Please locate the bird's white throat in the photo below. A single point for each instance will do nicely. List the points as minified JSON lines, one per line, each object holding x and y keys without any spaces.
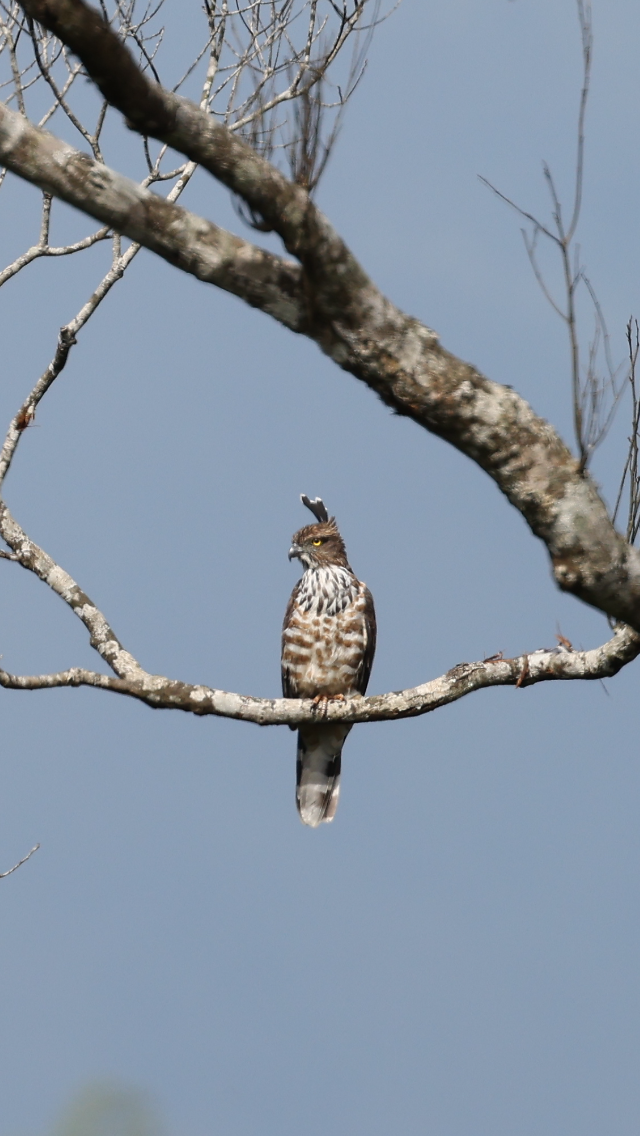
{"x":327,"y":591}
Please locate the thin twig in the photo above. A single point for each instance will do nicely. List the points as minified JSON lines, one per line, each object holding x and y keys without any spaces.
{"x":24,"y":859}
{"x":594,"y":397}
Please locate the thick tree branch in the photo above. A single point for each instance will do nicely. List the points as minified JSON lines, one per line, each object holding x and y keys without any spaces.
{"x":333,"y":302}
{"x":178,"y":236}
{"x":155,"y":112}
{"x":159,"y":692}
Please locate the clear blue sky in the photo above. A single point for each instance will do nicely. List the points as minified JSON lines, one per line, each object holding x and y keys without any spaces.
{"x":457,"y":955}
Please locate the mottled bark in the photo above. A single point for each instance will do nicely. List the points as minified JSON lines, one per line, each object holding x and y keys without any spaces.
{"x":155,"y":112}
{"x":334,"y":302}
{"x":189,"y":242}
{"x":160,"y":692}
{"x":545,"y":665}
{"x":327,"y":296}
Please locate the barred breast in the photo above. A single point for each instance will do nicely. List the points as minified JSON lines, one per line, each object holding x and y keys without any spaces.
{"x":325,"y":637}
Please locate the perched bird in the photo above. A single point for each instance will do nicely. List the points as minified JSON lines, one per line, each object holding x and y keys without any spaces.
{"x":328,"y":643}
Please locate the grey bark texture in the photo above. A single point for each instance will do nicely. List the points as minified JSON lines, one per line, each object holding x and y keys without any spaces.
{"x":325,"y":294}
{"x":350,"y":319}
{"x":158,"y":692}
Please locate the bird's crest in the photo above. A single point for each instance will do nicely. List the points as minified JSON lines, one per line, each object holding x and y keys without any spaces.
{"x":317,"y":507}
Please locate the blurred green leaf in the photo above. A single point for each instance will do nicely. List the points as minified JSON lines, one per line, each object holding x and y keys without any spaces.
{"x":108,"y":1110}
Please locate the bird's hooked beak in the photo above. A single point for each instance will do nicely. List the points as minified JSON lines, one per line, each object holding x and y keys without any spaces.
{"x":294,"y":551}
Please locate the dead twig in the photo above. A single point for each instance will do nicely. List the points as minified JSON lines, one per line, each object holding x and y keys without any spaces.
{"x":595,"y":388}
{"x":24,"y":859}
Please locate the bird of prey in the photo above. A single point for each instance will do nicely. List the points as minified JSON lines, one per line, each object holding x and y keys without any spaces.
{"x":328,"y":643}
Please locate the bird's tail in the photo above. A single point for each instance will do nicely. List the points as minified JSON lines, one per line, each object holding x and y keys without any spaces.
{"x":318,"y":772}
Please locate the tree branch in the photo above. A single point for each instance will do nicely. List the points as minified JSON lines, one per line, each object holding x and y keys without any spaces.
{"x":15,"y":867}
{"x":395,"y":355}
{"x":102,"y":638}
{"x":153,"y":111}
{"x":47,"y":250}
{"x":158,"y":692}
{"x":331,"y":300}
{"x":196,"y":246}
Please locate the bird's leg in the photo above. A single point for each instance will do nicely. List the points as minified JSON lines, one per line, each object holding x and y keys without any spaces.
{"x":321,"y":701}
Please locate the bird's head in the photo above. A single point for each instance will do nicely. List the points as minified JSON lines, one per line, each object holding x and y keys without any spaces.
{"x":319,"y":546}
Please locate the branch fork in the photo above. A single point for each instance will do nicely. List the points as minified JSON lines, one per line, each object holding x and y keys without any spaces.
{"x":325,"y":294}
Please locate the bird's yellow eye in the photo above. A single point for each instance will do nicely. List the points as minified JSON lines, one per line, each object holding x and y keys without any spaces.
{"x":317,"y":542}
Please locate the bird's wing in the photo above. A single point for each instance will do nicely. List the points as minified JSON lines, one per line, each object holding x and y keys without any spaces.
{"x":289,"y":687}
{"x":364,"y":672}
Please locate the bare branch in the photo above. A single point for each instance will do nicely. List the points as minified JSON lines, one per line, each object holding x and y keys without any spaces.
{"x":67,"y":339}
{"x":594,"y":396}
{"x":328,"y":297}
{"x":187,"y":241}
{"x":69,"y":332}
{"x":631,"y":470}
{"x":102,"y":638}
{"x":584,"y":19}
{"x":546,"y":665}
{"x":538,"y":227}
{"x":15,"y":69}
{"x":303,"y":136}
{"x":59,"y":95}
{"x":39,"y":250}
{"x":24,"y":859}
{"x":333,"y":301}
{"x":153,"y":111}
{"x":530,"y":245}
